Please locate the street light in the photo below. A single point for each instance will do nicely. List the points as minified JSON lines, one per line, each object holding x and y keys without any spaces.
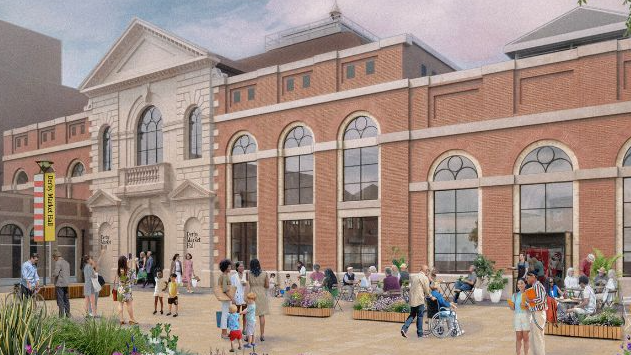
{"x":44,"y":165}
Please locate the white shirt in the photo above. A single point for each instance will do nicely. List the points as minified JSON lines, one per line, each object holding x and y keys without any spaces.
{"x":571,"y":282}
{"x":588,"y":293}
{"x":365,"y":283}
{"x":303,"y":272}
{"x":236,"y":282}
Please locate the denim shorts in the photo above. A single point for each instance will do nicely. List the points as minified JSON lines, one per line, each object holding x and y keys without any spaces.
{"x":521,"y":322}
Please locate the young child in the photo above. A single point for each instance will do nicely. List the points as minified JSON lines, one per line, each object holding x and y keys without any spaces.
{"x":250,"y":316}
{"x":287,"y":282}
{"x":172,"y":300}
{"x":158,"y":293}
{"x":273,"y":289}
{"x":233,"y":326}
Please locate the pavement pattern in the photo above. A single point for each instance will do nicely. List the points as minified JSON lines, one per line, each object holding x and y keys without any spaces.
{"x":488,"y":330}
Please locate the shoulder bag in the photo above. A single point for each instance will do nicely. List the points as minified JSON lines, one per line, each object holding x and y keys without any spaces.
{"x":218,"y":290}
{"x":96,"y":285}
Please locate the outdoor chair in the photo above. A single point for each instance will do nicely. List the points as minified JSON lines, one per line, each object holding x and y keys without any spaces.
{"x":338,"y":288}
{"x":468,"y":294}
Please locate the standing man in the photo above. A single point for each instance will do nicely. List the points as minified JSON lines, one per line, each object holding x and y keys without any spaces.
{"x":29,"y":279}
{"x":61,"y":276}
{"x":149,"y":270}
{"x":538,"y":307}
{"x":419,"y":289}
{"x":586,"y":265}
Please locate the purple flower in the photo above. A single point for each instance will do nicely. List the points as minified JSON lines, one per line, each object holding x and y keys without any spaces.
{"x":629,"y":346}
{"x":29,"y":349}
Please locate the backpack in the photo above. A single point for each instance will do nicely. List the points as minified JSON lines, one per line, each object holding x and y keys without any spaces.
{"x":551,"y":312}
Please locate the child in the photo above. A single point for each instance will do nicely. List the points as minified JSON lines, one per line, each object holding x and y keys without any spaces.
{"x":233,"y":326}
{"x":250,"y":315}
{"x":158,"y":293}
{"x":172,"y":300}
{"x":287,"y":282}
{"x":273,"y":290}
{"x":294,"y":286}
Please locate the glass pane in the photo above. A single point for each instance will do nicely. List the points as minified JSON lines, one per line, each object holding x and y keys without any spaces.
{"x":626,"y":264}
{"x":251,"y":169}
{"x":306,"y":162}
{"x":251,"y":199}
{"x":559,"y":220}
{"x":352,"y":192}
{"x":559,"y":165}
{"x":445,"y":262}
{"x":559,"y":195}
{"x":532,"y":167}
{"x":352,"y":174}
{"x":533,"y":221}
{"x":445,"y":223}
{"x":292,"y":180}
{"x":370,"y":155}
{"x":237,"y":200}
{"x":463,"y":261}
{"x":627,"y":190}
{"x":292,"y":164}
{"x":467,"y":200}
{"x":370,"y":191}
{"x":443,"y":175}
{"x":627,"y":215}
{"x":466,"y":243}
{"x":627,"y":240}
{"x":239,"y":185}
{"x":370,"y":173}
{"x":351,"y":157}
{"x":306,"y":195}
{"x":445,"y":243}
{"x":238,"y":170}
{"x":444,"y":201}
{"x":251,"y":184}
{"x":291,"y":197}
{"x":306,"y":179}
{"x":466,"y":222}
{"x":532,"y":196}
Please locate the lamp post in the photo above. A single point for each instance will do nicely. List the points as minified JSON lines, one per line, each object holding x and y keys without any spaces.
{"x":45,"y":166}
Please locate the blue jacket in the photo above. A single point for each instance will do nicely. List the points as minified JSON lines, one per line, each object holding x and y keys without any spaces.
{"x":441,"y":300}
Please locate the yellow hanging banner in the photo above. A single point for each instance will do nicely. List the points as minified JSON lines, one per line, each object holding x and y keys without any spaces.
{"x":49,"y":207}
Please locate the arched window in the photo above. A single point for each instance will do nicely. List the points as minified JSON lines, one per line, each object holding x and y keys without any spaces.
{"x":21,"y":178}
{"x":244,"y":174}
{"x":77,"y":170}
{"x":150,"y":137}
{"x":298,"y":187}
{"x":546,"y":208}
{"x":455,"y":217}
{"x":11,"y":246}
{"x":195,"y":134}
{"x":107,"y":149}
{"x":67,"y":246}
{"x":626,"y":217}
{"x":361,"y":165}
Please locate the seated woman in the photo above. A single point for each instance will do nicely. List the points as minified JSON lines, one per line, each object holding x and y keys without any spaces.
{"x":391,"y":282}
{"x":588,"y":304}
{"x":364,"y":284}
{"x":449,"y":312}
{"x":612,"y":285}
{"x":552,"y":289}
{"x":571,"y":281}
{"x":330,"y":282}
{"x":374,"y":277}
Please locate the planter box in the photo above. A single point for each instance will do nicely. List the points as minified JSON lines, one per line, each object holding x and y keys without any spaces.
{"x":74,"y":291}
{"x":308,"y":312}
{"x":585,"y":331}
{"x":380,"y":316}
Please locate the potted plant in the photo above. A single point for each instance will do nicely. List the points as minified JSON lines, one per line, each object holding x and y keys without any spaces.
{"x":484,"y":269}
{"x":496,"y":285}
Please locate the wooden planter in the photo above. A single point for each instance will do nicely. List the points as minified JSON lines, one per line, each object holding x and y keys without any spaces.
{"x":308,"y":312}
{"x":584,"y":331}
{"x":74,"y":291}
{"x":380,"y":316}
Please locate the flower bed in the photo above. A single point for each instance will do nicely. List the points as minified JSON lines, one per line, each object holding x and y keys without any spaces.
{"x":604,"y":325}
{"x":380,"y":308}
{"x":305,"y":303}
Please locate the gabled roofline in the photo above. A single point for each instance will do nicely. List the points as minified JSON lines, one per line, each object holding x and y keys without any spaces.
{"x":147,"y":25}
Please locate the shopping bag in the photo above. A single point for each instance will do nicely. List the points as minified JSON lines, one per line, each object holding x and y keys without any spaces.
{"x":96,"y":285}
{"x":142,"y":275}
{"x":218,"y":315}
{"x":194,"y":283}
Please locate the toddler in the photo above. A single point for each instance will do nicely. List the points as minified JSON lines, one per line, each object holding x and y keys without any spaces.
{"x":287,"y":282}
{"x":250,"y":316}
{"x":172,"y":300}
{"x":273,"y":288}
{"x":158,"y":293}
{"x":233,"y":326}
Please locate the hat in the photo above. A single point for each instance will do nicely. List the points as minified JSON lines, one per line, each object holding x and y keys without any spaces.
{"x":602,"y":269}
{"x":591,"y":257}
{"x":56,"y":254}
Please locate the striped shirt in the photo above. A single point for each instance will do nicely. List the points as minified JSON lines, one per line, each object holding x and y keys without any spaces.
{"x":540,"y":299}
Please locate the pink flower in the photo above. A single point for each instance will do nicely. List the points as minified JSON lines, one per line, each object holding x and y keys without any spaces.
{"x":29,"y":349}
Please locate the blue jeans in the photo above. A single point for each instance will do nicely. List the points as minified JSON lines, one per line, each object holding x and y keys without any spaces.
{"x":415,"y":312}
{"x":460,"y":286}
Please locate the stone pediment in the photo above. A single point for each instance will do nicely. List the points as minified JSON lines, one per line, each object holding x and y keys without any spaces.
{"x":103,"y":199}
{"x":142,"y":49}
{"x":190,"y":190}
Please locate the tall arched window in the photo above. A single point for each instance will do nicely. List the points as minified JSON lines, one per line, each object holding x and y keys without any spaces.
{"x":77,"y":170}
{"x":107,"y":149}
{"x":150,"y":137}
{"x":455,"y":216}
{"x":361,"y":165}
{"x":11,"y":246}
{"x":546,"y":208}
{"x":20,"y":178}
{"x":626,"y":218}
{"x":67,"y":246}
{"x":244,"y":174}
{"x":195,"y":134}
{"x":298,"y":186}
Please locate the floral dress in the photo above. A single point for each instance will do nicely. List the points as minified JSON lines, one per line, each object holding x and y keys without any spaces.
{"x":124,"y":287}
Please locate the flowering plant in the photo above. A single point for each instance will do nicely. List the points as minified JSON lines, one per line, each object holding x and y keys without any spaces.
{"x":626,"y":346}
{"x":59,"y":350}
{"x":304,"y":298}
{"x":372,"y":302}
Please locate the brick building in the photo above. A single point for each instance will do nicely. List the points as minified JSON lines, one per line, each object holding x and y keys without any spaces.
{"x":339,"y":152}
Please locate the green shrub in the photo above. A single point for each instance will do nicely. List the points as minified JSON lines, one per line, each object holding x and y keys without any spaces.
{"x":608,"y":317}
{"x":498,"y":282}
{"x":22,"y":325}
{"x":602,"y":261}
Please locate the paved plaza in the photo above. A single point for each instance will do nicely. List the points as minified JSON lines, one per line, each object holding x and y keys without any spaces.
{"x":488,"y":331}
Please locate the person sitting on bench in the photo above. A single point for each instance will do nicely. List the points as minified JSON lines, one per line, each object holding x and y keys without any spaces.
{"x":466,"y":284}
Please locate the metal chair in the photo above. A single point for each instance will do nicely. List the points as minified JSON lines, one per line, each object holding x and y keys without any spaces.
{"x":337,"y":290}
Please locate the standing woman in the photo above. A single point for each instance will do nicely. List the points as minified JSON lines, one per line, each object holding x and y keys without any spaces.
{"x":302,"y":274}
{"x":224,"y":282}
{"x":521,"y":320}
{"x":259,"y":283}
{"x":88,"y":289}
{"x":123,"y":282}
{"x":239,"y":281}
{"x":176,"y":268}
{"x":522,"y":266}
{"x":188,"y":272}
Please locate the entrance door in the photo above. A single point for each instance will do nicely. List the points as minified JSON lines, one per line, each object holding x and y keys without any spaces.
{"x":150,"y":237}
{"x":547,"y":253}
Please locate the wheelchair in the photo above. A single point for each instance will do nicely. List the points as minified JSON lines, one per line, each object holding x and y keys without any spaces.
{"x":441,"y":322}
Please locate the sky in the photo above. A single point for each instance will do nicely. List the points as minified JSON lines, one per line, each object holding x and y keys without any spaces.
{"x":471,"y":33}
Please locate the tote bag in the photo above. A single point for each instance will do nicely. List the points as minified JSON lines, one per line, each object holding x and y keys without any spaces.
{"x":96,"y":285}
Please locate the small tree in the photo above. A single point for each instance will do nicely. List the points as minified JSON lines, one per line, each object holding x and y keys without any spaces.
{"x":602,"y":261}
{"x":484,"y":268}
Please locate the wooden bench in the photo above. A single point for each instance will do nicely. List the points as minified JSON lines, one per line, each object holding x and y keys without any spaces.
{"x":74,"y":291}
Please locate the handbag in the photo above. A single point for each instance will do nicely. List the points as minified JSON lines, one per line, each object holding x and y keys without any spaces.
{"x":114,"y":295}
{"x":194,"y":283}
{"x":221,"y":296}
{"x":101,"y":280}
{"x":96,"y":285}
{"x":142,"y":275}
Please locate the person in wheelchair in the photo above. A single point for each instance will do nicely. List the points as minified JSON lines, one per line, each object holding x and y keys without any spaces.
{"x":442,"y":309}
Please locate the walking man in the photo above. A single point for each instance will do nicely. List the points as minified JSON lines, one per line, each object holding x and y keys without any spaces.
{"x":149,"y":270}
{"x":29,"y":279}
{"x":419,"y":289}
{"x":538,"y":306}
{"x":61,"y":276}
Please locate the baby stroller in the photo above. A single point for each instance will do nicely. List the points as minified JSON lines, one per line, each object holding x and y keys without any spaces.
{"x":441,"y":321}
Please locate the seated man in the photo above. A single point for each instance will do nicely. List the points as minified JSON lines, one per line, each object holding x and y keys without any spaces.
{"x":348,"y":281}
{"x":465,"y":285}
{"x":588,"y":304}
{"x":404,"y":275}
{"x":442,"y":303}
{"x":600,"y":280}
{"x":390,"y":282}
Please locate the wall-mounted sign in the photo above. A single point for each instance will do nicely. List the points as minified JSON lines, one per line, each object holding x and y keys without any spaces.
{"x":105,"y":239}
{"x":192,"y":238}
{"x":49,"y":207}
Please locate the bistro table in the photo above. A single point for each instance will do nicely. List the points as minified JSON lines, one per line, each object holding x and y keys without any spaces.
{"x":447,"y":288}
